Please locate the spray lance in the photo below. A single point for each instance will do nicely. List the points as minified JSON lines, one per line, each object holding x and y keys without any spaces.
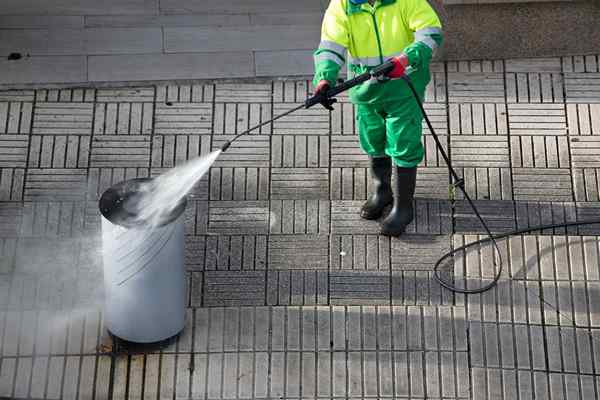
{"x":379,"y":73}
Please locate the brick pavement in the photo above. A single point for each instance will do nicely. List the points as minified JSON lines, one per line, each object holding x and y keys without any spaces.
{"x":291,"y":294}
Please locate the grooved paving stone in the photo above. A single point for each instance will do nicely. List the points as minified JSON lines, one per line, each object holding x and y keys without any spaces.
{"x":360,"y":252}
{"x":299,"y":183}
{"x":550,"y":64}
{"x":17,"y":95}
{"x":299,"y":216}
{"x":346,"y":152}
{"x":10,"y":219}
{"x":230,"y":118}
{"x":11,"y":184}
{"x":247,"y":151}
{"x":432,"y":156}
{"x":588,"y":211}
{"x":296,"y":252}
{"x":359,"y":287}
{"x":13,"y":151}
{"x":8,"y":250}
{"x":537,"y":119}
{"x":585,"y":151}
{"x":417,"y":287}
{"x":123,"y":118}
{"x":539,"y":151}
{"x":234,"y":288}
{"x":587,"y":63}
{"x":197,"y":217}
{"x":475,"y":66}
{"x":438,"y":116}
{"x":227,"y":252}
{"x":44,"y":70}
{"x":548,"y":184}
{"x":350,"y":183}
{"x":172,"y":150}
{"x":582,"y":87}
{"x":63,"y":118}
{"x":343,"y":119}
{"x":243,"y":93}
{"x":418,"y":252}
{"x":35,"y":7}
{"x":53,"y":219}
{"x":480,"y":151}
{"x":238,"y":217}
{"x":478,"y":119}
{"x":530,"y":214}
{"x":59,"y":151}
{"x":52,"y":184}
{"x":15,"y":116}
{"x":499,"y":215}
{"x":127,"y":151}
{"x":182,"y":118}
{"x":65,"y":95}
{"x":239,"y":184}
{"x":300,"y":151}
{"x":294,"y":92}
{"x":313,"y":121}
{"x":475,"y":87}
{"x":583,"y":119}
{"x":435,"y":91}
{"x":193,"y":93}
{"x":586,"y":184}
{"x":140,"y":94}
{"x":297,"y":287}
{"x":486,"y":183}
{"x":534,"y":87}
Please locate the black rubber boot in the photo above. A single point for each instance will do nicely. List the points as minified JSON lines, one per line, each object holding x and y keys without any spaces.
{"x":382,"y":195}
{"x":402,"y":213}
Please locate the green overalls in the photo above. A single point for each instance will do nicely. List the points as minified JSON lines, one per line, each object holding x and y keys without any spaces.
{"x":388,"y":118}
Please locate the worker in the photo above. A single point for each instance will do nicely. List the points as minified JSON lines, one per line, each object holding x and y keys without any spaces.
{"x":366,"y":33}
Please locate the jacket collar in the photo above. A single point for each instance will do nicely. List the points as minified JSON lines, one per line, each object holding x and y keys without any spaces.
{"x":352,"y":8}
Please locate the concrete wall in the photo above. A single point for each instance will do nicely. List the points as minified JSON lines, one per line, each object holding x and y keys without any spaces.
{"x":510,"y":30}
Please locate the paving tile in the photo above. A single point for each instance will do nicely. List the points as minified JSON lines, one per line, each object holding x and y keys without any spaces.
{"x":299,"y":183}
{"x":165,"y":67}
{"x":486,"y":183}
{"x":238,"y":217}
{"x":480,"y":151}
{"x":10,"y":219}
{"x":182,"y":118}
{"x":475,"y":66}
{"x":499,"y":215}
{"x":583,"y":119}
{"x":196,"y":217}
{"x":100,"y":179}
{"x":588,"y":211}
{"x":418,"y":252}
{"x":585,"y":151}
{"x":239,"y":38}
{"x":247,"y":151}
{"x":65,"y":95}
{"x":17,"y":95}
{"x":359,"y":287}
{"x":534,"y":87}
{"x":47,"y":219}
{"x":126,"y":151}
{"x":360,"y":252}
{"x":346,"y":152}
{"x":432,"y":156}
{"x":297,"y":287}
{"x":15,"y":116}
{"x":313,"y":121}
{"x":181,"y":20}
{"x":533,"y":151}
{"x":11,"y":184}
{"x":533,"y":213}
{"x":59,"y":151}
{"x":299,"y":216}
{"x":586,"y":184}
{"x":294,"y":252}
{"x":531,"y":184}
{"x":178,"y":6}
{"x":139,"y":94}
{"x":477,"y":119}
{"x":235,"y":118}
{"x":475,"y":87}
{"x":13,"y":151}
{"x":234,"y":288}
{"x":435,"y":92}
{"x":51,"y":69}
{"x":8,"y":248}
{"x":580,"y":63}
{"x":537,"y":119}
{"x":63,"y":119}
{"x":294,"y":91}
{"x":294,"y":62}
{"x":51,"y":184}
{"x":239,"y":184}
{"x":300,"y":151}
{"x":41,"y":22}
{"x":549,"y":64}
{"x":582,"y":87}
{"x":123,"y":118}
{"x":172,"y":150}
{"x":193,"y":93}
{"x":225,"y":252}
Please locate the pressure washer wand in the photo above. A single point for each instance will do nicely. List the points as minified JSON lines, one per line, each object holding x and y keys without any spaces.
{"x":326,"y":99}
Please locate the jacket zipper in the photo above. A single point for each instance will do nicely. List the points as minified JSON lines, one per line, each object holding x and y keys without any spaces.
{"x":377,"y":36}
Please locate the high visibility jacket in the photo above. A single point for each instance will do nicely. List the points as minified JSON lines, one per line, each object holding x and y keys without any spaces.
{"x":365,"y":36}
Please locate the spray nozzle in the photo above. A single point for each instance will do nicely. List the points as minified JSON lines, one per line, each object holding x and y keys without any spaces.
{"x":225,"y":146}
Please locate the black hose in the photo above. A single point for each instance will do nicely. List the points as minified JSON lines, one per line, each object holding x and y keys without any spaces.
{"x":458,"y":182}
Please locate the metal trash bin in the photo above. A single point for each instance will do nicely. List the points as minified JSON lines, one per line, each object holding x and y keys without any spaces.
{"x":144,"y":269}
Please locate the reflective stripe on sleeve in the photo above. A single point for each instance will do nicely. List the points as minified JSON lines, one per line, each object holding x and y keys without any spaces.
{"x":327,"y":56}
{"x":333,"y":46}
{"x":423,"y":36}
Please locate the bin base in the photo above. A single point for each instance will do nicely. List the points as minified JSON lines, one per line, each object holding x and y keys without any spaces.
{"x":125,"y":346}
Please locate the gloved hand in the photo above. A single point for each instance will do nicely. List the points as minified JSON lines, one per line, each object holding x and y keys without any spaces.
{"x":321,"y":91}
{"x":400,"y":63}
